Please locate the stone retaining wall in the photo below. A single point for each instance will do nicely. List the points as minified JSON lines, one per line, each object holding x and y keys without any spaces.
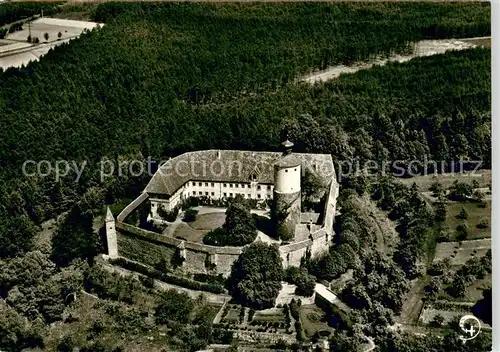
{"x":201,"y":258}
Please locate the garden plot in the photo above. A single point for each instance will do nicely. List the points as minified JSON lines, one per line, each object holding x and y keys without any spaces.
{"x":271,"y":320}
{"x":475,"y":215}
{"x":313,"y":320}
{"x":459,"y":253}
{"x":428,"y":315}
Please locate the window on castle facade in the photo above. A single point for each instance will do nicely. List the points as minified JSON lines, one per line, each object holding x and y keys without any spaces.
{"x":212,"y":184}
{"x":199,"y":184}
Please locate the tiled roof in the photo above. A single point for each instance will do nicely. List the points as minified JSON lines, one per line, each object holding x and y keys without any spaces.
{"x":308,"y":217}
{"x":109,"y":215}
{"x":230,"y":166}
{"x":289,"y":160}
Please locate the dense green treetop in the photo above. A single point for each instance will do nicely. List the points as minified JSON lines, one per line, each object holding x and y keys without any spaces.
{"x":256,"y":276}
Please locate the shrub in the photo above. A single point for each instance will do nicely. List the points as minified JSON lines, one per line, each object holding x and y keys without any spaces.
{"x":174,"y":306}
{"x":441,"y":211}
{"x":463,"y":214}
{"x":167,"y":277}
{"x":169,"y":216}
{"x":216,"y":237}
{"x":190,"y":215}
{"x":16,"y":27}
{"x":462,"y":231}
{"x":298,"y":329}
{"x":300,"y":277}
{"x":66,"y":344}
{"x":484,"y":223}
{"x":210,"y":279}
{"x":305,"y":287}
{"x":294,"y":309}
{"x":147,"y":281}
{"x":251,"y":314}
{"x":460,"y":191}
{"x":438,"y":320}
{"x":444,"y":235}
{"x":439,"y":267}
{"x":436,"y":188}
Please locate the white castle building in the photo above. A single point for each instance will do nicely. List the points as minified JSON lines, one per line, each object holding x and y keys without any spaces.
{"x":274,"y":177}
{"x":226,"y":173}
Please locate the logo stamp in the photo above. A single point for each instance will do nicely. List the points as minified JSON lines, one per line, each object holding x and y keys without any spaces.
{"x":471,"y":326}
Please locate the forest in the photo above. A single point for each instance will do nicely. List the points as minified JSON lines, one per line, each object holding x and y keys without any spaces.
{"x":155,"y":82}
{"x":161,"y":79}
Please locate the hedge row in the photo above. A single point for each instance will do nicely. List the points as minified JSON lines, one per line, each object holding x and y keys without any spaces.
{"x":168,"y":277}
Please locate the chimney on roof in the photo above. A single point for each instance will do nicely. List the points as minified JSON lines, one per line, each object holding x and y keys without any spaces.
{"x":218,"y":154}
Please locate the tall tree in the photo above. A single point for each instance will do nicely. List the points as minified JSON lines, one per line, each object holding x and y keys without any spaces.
{"x":256,"y":276}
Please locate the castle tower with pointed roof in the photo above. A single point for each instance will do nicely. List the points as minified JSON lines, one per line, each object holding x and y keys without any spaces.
{"x":286,"y":206}
{"x":111,"y":235}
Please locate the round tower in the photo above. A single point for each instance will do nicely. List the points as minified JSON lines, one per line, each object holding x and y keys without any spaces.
{"x":286,"y":201}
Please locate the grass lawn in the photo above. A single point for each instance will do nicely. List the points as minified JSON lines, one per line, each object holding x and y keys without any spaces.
{"x":186,"y":232}
{"x":208,"y":221}
{"x":195,"y":230}
{"x":459,"y":253}
{"x":210,"y":311}
{"x":424,"y":182}
{"x":311,"y":317}
{"x":272,"y":315}
{"x":232,"y":316}
{"x":475,"y":215}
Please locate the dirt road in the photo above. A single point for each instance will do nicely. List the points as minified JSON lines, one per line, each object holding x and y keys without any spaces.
{"x":420,"y":49}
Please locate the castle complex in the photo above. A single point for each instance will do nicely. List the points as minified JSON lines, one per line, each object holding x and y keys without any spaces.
{"x":270,"y":177}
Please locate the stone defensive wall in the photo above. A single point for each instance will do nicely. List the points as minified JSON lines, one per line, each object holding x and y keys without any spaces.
{"x":150,"y":247}
{"x":321,"y":235}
